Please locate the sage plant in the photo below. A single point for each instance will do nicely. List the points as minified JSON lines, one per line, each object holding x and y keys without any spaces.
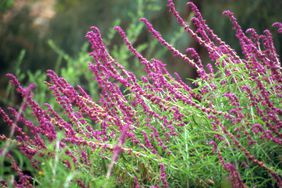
{"x":157,"y":131}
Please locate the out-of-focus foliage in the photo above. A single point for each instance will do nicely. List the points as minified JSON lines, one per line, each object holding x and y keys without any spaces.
{"x":6,"y":4}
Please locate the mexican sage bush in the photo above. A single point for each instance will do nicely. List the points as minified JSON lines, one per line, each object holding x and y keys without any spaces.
{"x":155,"y":130}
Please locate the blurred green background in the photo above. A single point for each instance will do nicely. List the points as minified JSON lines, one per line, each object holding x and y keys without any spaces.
{"x":29,"y":24}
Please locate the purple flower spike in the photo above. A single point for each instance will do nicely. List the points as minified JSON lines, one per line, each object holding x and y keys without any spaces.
{"x":278,"y":26}
{"x":163,"y":176}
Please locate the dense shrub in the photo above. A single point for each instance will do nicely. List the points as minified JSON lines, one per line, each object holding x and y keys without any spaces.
{"x":155,"y":131}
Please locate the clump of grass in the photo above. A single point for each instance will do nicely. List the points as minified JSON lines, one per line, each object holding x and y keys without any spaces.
{"x":156,"y":130}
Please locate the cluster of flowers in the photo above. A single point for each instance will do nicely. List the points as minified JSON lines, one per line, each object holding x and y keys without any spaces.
{"x":135,"y":115}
